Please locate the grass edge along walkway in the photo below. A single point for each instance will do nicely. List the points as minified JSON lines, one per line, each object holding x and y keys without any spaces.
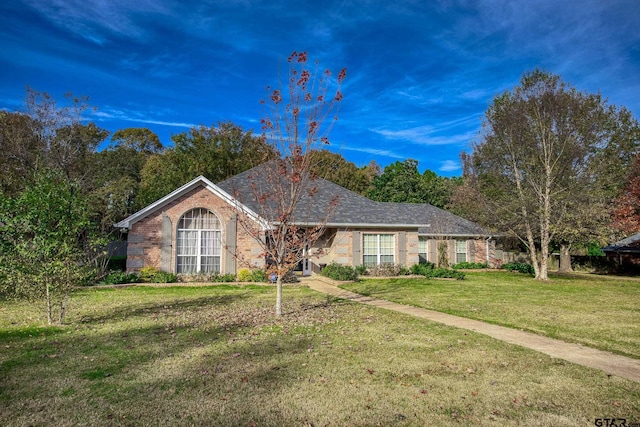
{"x":610,"y":363}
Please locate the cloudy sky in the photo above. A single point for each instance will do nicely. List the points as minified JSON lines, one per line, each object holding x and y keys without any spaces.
{"x":421,"y":73}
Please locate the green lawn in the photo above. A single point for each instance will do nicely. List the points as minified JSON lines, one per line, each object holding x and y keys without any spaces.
{"x":598,"y":311}
{"x":145,"y":356}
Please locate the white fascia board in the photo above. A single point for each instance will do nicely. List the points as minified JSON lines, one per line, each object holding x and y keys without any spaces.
{"x":128,"y":222}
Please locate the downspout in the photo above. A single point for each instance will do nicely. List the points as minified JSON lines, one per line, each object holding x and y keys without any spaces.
{"x":486,"y":241}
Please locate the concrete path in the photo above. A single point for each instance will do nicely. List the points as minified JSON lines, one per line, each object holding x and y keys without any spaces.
{"x":610,"y":363}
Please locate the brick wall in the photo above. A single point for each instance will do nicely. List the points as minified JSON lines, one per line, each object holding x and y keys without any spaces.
{"x":145,"y":236}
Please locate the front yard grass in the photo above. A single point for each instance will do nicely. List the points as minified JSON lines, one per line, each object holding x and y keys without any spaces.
{"x":216,"y":355}
{"x":598,"y":311}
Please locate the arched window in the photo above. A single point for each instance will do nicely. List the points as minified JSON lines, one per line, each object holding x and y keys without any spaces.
{"x":199,"y":242}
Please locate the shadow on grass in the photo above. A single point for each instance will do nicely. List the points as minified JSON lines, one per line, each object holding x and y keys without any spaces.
{"x":146,"y":309}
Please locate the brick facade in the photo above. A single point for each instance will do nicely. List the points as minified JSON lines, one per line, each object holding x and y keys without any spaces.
{"x":144,"y":241}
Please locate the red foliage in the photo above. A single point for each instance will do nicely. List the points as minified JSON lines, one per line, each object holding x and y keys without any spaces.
{"x":626,"y":213}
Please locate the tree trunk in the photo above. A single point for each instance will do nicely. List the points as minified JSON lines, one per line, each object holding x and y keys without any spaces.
{"x":565,"y":259}
{"x":279,"y":295}
{"x":63,"y":308}
{"x":49,"y":308}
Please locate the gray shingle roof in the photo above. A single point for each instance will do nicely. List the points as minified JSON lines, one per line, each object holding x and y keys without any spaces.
{"x":630,"y":244}
{"x":353,"y":209}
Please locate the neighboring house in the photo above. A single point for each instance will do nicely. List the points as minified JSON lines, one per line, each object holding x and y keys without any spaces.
{"x":196,"y":229}
{"x":625,"y":254}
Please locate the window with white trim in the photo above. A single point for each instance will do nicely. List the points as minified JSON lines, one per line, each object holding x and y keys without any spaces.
{"x":199,"y":244}
{"x":423,"y":250}
{"x":461,"y":251}
{"x":378,"y":249}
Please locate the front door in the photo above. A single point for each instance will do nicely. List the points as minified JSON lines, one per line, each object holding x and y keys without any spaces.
{"x":306,"y":262}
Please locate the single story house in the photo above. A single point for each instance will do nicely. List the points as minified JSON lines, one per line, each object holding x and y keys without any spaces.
{"x":625,"y":254}
{"x":195,"y":229}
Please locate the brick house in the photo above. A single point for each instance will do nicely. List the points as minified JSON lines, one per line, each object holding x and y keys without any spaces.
{"x":195,"y":229}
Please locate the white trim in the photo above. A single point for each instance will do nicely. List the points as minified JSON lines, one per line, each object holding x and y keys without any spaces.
{"x":194,"y":183}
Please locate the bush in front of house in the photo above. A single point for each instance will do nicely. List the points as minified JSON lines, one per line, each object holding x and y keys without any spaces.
{"x":470,"y":265}
{"x":244,"y":275}
{"x":520,"y":267}
{"x":155,"y":275}
{"x":256,"y":275}
{"x":429,"y":270}
{"x":340,"y":272}
{"x":119,"y":277}
{"x":259,"y":275}
{"x":445,"y":273}
{"x":387,"y":269}
{"x":422,"y":269}
{"x":207,"y":278}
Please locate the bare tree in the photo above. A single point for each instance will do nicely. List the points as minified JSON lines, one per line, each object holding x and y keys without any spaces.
{"x":290,"y":215}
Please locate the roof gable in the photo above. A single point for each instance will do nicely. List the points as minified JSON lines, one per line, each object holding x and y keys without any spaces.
{"x":200,"y":181}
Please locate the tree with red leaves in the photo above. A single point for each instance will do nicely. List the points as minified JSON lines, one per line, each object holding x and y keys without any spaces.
{"x":298,"y":120}
{"x":626,"y":211}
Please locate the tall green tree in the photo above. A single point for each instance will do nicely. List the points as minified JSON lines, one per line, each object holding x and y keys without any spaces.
{"x":547,"y":160}
{"x":402,"y":182}
{"x":115,"y":184}
{"x":335,"y":168}
{"x":21,"y":151}
{"x":216,"y":152}
{"x":44,"y":243}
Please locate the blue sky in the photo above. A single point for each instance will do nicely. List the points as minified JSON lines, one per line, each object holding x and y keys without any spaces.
{"x":420,"y":73}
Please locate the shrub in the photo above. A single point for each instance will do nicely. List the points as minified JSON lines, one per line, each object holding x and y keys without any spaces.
{"x":470,"y":265}
{"x":148,"y":273}
{"x":226,"y":278}
{"x":361,"y":270}
{"x":154,"y":275}
{"x":244,"y":275}
{"x":445,"y":273}
{"x":339,"y":272}
{"x":387,"y":270}
{"x":521,"y":267}
{"x":207,"y":277}
{"x":164,"y":277}
{"x":421,"y":269}
{"x":430,"y":271}
{"x":119,"y":277}
{"x":259,"y":275}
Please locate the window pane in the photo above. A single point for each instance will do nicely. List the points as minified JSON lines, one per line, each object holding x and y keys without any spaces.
{"x":187,"y":264}
{"x":461,"y":251}
{"x":370,"y":260}
{"x":423,"y":245}
{"x":386,"y":259}
{"x":386,"y":244}
{"x":210,"y":264}
{"x":370,"y":244}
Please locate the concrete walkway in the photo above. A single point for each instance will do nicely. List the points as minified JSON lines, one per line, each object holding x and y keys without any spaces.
{"x":610,"y":363}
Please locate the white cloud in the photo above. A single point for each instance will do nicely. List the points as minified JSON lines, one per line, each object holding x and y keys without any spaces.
{"x":374,"y":151}
{"x":449,"y":166}
{"x":426,"y":135}
{"x":137,"y":117}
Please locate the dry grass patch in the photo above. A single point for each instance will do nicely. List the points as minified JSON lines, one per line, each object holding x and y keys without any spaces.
{"x":217,"y":356}
{"x":601,"y":312}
